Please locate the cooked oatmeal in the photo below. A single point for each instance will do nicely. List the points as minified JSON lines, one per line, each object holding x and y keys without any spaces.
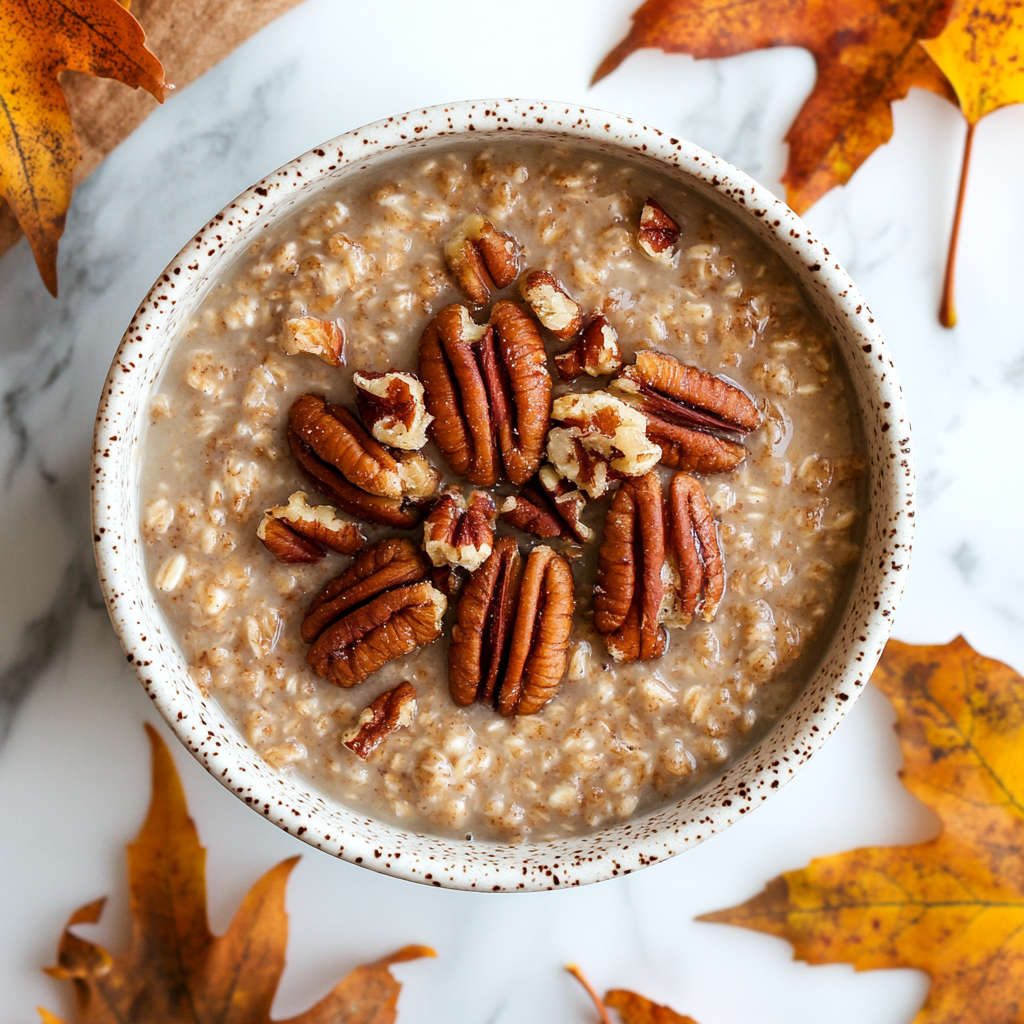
{"x":619,"y":738}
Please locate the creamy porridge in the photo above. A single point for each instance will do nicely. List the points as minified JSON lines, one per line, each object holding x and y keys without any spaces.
{"x":762,"y":468}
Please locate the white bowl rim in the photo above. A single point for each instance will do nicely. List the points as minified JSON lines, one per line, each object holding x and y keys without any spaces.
{"x":297,"y":807}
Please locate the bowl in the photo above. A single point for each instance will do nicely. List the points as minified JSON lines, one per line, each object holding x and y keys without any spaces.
{"x":295,"y":806}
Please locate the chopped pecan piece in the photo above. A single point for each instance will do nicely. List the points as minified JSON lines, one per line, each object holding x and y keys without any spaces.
{"x":456,"y":396}
{"x":323,"y":338}
{"x":515,"y":371}
{"x":392,"y":710}
{"x":658,"y":233}
{"x":459,"y":534}
{"x":548,"y":506}
{"x":601,"y":438}
{"x":551,"y":304}
{"x":695,"y":545}
{"x":337,"y":437}
{"x":392,"y":407}
{"x":629,"y":596}
{"x":300,"y":532}
{"x":595,"y":352}
{"x":402,"y":513}
{"x":684,"y":406}
{"x":510,"y":644}
{"x":481,"y":258}
{"x":378,"y":609}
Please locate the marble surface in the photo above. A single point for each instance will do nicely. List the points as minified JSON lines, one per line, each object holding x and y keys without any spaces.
{"x":73,"y":759}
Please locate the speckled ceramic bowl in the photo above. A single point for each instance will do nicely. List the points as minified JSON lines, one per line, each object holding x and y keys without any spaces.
{"x":296,"y":807}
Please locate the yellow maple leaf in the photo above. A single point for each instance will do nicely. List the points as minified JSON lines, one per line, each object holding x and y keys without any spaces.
{"x":176,"y":969}
{"x":981,"y":52}
{"x":38,"y":149}
{"x":954,"y":906}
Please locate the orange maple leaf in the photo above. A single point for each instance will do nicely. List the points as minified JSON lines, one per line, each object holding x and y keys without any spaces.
{"x":632,"y":1007}
{"x":867,"y":55}
{"x":176,"y":969}
{"x":954,"y":906}
{"x":38,"y":148}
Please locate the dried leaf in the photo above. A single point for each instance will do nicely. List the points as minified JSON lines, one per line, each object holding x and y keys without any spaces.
{"x":38,"y":149}
{"x":637,"y":1009}
{"x":632,"y":1007}
{"x":866,"y":55}
{"x":176,"y":969}
{"x":954,"y":906}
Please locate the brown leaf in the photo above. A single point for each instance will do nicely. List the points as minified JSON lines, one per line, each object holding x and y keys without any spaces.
{"x":866,"y":53}
{"x":632,"y":1007}
{"x":176,"y":969}
{"x":954,"y":906}
{"x":38,"y":147}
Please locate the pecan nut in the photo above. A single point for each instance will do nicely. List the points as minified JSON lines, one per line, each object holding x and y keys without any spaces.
{"x":511,"y":642}
{"x":686,"y":408}
{"x":392,"y":710}
{"x":596,"y":352}
{"x":551,"y":304}
{"x":481,"y":258}
{"x":515,"y":370}
{"x":401,"y":513}
{"x":302,"y":533}
{"x":548,"y":506}
{"x":457,"y":533}
{"x":658,"y":233}
{"x":487,"y":388}
{"x":323,"y":338}
{"x":337,"y":437}
{"x":392,"y":407}
{"x":629,"y":596}
{"x":600,"y":439}
{"x":378,"y":609}
{"x":456,"y":396}
{"x":695,"y":545}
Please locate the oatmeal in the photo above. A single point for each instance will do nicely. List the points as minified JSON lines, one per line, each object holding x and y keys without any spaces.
{"x":668,"y":473}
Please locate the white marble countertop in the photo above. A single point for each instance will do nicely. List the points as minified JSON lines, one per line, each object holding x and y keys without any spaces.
{"x":73,"y":760}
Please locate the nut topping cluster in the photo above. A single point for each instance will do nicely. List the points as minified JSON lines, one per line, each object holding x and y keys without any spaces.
{"x":483,"y":394}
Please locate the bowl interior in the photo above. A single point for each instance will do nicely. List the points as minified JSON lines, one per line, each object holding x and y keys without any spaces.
{"x":295,"y":805}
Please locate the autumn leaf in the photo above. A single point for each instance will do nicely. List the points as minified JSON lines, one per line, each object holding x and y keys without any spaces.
{"x":38,"y":149}
{"x":632,"y":1007}
{"x":981,"y":52}
{"x":176,"y":969}
{"x":866,"y":53}
{"x":954,"y":906}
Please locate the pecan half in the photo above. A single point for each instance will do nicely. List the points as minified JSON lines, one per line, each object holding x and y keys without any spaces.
{"x":601,"y":438}
{"x":548,"y":506}
{"x":392,"y":710}
{"x":299,"y":532}
{"x":695,"y":545}
{"x":392,"y":407}
{"x":378,"y":609}
{"x":551,"y":304}
{"x":681,"y":404}
{"x":630,"y":590}
{"x":481,"y":258}
{"x":514,"y":364}
{"x":323,"y":338}
{"x":510,"y":644}
{"x":596,"y":352}
{"x":658,"y":233}
{"x":457,"y":533}
{"x":401,"y":513}
{"x":456,"y":396}
{"x":337,"y":437}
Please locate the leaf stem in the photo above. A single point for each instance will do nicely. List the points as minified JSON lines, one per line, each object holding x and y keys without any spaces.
{"x":947,"y":308}
{"x":601,"y":1009}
